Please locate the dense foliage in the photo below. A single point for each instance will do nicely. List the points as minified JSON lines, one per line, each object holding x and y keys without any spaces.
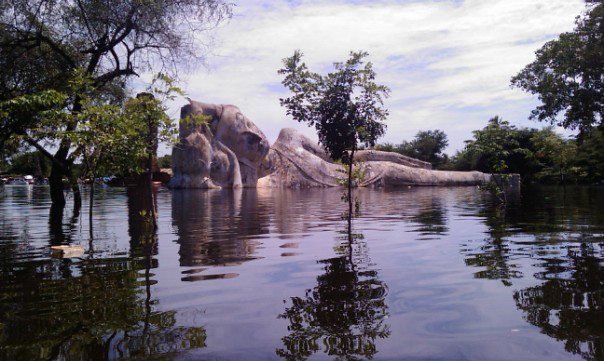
{"x":427,"y":145}
{"x":538,"y":155}
{"x":33,"y":163}
{"x":45,"y":44}
{"x":568,"y":74}
{"x":345,"y":106}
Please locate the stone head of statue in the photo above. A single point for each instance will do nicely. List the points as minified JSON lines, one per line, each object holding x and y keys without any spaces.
{"x":242,"y":136}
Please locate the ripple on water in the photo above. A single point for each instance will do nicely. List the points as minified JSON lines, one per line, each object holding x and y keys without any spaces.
{"x":424,"y":273}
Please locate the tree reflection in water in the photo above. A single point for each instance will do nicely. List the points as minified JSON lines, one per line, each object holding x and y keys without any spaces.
{"x":97,"y":311}
{"x":431,"y":219}
{"x":494,"y":254}
{"x":568,"y":304}
{"x":345,"y":313}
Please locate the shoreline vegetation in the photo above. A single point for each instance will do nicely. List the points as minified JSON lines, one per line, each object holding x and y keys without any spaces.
{"x":74,"y":116}
{"x":67,"y":109}
{"x":540,"y":156}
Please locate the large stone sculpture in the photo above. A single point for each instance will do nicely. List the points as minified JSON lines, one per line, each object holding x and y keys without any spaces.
{"x":294,"y":161}
{"x":224,"y":152}
{"x":230,"y":151}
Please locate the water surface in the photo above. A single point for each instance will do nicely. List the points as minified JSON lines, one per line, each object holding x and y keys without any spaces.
{"x":423,"y":274}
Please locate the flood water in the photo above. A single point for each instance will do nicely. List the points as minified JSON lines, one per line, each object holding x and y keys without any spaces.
{"x":423,"y":274}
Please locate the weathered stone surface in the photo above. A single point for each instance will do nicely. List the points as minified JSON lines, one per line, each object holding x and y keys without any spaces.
{"x":376,"y":156}
{"x":387,"y":174}
{"x":230,"y":151}
{"x":226,"y":152}
{"x":296,"y":162}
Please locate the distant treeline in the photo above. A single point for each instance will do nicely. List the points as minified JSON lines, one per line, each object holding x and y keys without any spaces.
{"x":36,"y":164}
{"x":538,"y":155}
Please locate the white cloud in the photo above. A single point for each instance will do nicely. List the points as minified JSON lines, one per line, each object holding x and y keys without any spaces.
{"x":448,"y":63}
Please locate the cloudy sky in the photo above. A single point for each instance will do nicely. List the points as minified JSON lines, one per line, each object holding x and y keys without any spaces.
{"x":448,"y":63}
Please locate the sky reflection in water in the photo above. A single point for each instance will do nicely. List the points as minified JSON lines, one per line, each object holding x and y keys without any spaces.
{"x":423,"y":274}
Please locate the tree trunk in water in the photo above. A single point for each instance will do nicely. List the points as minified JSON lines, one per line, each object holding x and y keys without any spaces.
{"x":57,"y":195}
{"x":90,"y":205}
{"x":55,"y":224}
{"x":55,"y":181}
{"x":77,"y":196}
{"x":150,"y":189}
{"x":350,"y":165}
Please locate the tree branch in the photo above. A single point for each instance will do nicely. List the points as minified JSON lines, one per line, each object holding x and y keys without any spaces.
{"x":107,"y":77}
{"x":46,"y":153}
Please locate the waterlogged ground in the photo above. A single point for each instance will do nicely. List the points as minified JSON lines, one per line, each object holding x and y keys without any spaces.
{"x":424,"y":274}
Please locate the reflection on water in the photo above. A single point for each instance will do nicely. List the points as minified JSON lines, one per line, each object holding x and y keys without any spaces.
{"x":214,"y":227}
{"x":424,"y":273}
{"x":568,"y":305}
{"x":89,"y":308}
{"x":567,"y":247}
{"x":344,"y":313}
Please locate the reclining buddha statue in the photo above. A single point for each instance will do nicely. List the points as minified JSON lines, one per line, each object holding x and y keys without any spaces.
{"x":231,"y":151}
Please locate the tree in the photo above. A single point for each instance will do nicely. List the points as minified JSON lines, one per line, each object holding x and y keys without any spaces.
{"x":165,"y":161}
{"x":590,"y":156}
{"x":538,"y":155}
{"x":43,"y":42}
{"x":491,"y":146}
{"x":556,"y":155}
{"x":123,"y":140}
{"x":427,"y":145}
{"x":345,"y":106}
{"x":32,"y":163}
{"x":568,"y":74}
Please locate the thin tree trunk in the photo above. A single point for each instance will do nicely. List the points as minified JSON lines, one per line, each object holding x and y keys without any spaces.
{"x":150,"y":189}
{"x":350,"y":241}
{"x":350,"y":165}
{"x":75,"y":188}
{"x":90,"y":205}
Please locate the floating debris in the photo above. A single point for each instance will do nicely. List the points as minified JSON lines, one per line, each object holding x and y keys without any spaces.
{"x":67,"y":251}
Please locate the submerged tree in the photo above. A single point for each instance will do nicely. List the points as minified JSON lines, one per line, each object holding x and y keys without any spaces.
{"x":96,"y":308}
{"x":568,"y":74}
{"x":109,"y":138}
{"x":123,"y":140}
{"x":43,"y":42}
{"x":345,"y":106}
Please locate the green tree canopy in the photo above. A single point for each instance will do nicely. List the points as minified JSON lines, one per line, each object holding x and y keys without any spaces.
{"x":428,"y":145}
{"x":43,"y":43}
{"x":537,"y":155}
{"x":345,"y":106}
{"x":568,"y":74}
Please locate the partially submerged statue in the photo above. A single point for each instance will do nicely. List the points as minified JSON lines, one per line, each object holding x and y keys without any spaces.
{"x":225,"y":152}
{"x":294,"y":161}
{"x":231,"y":151}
